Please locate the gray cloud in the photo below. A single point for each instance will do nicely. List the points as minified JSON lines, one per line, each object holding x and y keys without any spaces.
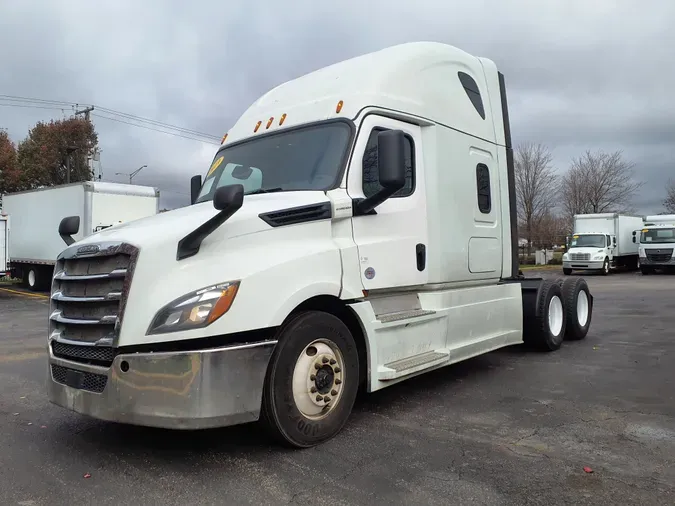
{"x":581,"y":75}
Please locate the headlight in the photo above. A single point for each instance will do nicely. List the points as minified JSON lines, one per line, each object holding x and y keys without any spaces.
{"x":564,"y":256}
{"x":597,"y":257}
{"x":195,"y":310}
{"x":643,"y":254}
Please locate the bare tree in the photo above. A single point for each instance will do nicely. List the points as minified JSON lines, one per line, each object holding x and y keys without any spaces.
{"x":536,"y":184}
{"x":669,"y":201}
{"x":598,"y":183}
{"x":549,"y":231}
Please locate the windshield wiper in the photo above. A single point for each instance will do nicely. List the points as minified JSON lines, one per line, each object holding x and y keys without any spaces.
{"x":265,"y":190}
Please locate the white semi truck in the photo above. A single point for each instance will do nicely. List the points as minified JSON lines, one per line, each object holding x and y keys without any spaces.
{"x":356,"y":228}
{"x":602,"y":242}
{"x":34,"y":242}
{"x":656,"y":241}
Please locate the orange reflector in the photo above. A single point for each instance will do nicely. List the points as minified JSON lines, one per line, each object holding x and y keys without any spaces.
{"x":224,"y":137}
{"x":282,"y":119}
{"x":257,"y":125}
{"x":339,"y":106}
{"x":269,"y":122}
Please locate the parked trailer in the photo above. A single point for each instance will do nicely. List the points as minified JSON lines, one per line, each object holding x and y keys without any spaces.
{"x":602,"y":242}
{"x":4,"y":240}
{"x":34,"y":242}
{"x":356,"y":228}
{"x":656,"y":242}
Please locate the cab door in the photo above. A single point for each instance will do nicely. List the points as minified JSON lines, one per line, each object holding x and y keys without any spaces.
{"x":392,"y":242}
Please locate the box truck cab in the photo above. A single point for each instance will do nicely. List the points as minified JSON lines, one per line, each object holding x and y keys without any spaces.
{"x":656,"y":242}
{"x":602,"y":242}
{"x":356,"y":228}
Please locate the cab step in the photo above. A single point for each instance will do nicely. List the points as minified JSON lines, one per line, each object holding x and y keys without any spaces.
{"x":404,"y":315}
{"x":411,"y":365}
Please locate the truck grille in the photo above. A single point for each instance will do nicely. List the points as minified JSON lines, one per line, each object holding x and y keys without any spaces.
{"x":580,"y":256}
{"x":663,"y":255}
{"x":87,"y":301}
{"x":78,"y":379}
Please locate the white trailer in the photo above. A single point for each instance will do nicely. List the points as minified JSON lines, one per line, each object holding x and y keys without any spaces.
{"x":656,"y":242}
{"x":602,"y":242}
{"x":34,"y":241}
{"x":356,"y":228}
{"x":4,"y":253}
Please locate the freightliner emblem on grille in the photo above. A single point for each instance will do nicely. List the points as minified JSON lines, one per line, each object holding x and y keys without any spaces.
{"x":88,"y":249}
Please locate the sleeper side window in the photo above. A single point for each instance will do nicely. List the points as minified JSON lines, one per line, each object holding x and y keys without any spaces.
{"x":371,"y":183}
{"x":483,"y":188}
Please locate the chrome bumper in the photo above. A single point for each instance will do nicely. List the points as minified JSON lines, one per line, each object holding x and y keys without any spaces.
{"x":583,"y":264}
{"x":177,"y":390}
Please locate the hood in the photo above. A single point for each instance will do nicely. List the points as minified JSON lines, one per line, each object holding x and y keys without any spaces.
{"x":170,"y":227}
{"x":585,"y":249}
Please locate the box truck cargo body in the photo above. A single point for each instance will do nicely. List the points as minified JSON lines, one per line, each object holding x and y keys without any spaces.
{"x":602,"y":241}
{"x":34,"y":241}
{"x":657,"y":243}
{"x":4,"y":254}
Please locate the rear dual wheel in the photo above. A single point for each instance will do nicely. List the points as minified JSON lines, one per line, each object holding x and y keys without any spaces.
{"x":312,"y":380}
{"x":578,"y":308}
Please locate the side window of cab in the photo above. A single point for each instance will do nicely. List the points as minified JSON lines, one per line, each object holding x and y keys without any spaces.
{"x":371,"y":183}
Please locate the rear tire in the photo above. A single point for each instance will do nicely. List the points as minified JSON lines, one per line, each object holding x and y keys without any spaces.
{"x":312,"y":380}
{"x":578,"y":308}
{"x":546,"y":328}
{"x":567,"y":272}
{"x":33,"y":278}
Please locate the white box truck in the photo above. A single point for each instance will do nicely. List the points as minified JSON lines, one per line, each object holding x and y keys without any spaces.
{"x":356,"y":228}
{"x":602,"y":242}
{"x":4,"y":253}
{"x":34,"y":241}
{"x":656,"y":242}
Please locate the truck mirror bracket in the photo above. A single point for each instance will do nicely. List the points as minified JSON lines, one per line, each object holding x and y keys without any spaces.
{"x":69,"y":226}
{"x":228,"y":200}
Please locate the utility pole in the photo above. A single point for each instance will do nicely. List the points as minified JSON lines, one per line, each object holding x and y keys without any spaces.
{"x":86,"y":111}
{"x":69,"y":152}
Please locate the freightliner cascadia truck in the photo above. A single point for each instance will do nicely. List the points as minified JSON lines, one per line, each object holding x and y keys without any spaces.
{"x":356,"y":228}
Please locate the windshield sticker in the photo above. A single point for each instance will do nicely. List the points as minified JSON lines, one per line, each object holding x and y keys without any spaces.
{"x":215,"y":165}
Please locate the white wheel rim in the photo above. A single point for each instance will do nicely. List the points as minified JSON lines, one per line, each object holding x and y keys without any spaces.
{"x":582,"y":308}
{"x":318,"y":379}
{"x":31,"y":277}
{"x":555,"y":315}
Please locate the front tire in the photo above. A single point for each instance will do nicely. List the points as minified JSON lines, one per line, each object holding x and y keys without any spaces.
{"x":567,"y":272}
{"x":312,"y":380}
{"x":605,"y":267}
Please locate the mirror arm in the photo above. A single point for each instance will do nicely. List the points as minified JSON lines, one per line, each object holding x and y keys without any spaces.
{"x":363,"y":207}
{"x":68,"y":239}
{"x":189,"y":245}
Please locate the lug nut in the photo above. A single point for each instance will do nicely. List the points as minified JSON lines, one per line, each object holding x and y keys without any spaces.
{"x":313,"y":390}
{"x":326,"y":398}
{"x":317,"y":366}
{"x":312,"y":377}
{"x":319,"y":398}
{"x":337,"y":369}
{"x":333,"y":392}
{"x":338,"y":381}
{"x":333,"y":361}
{"x":325,"y":360}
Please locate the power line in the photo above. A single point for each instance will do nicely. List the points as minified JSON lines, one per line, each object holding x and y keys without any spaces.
{"x":154,"y":129}
{"x":133,"y":120}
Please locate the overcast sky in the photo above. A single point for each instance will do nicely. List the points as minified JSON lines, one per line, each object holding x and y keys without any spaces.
{"x":580,"y":74}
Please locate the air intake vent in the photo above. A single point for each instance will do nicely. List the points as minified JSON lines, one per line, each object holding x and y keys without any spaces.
{"x":295,"y":215}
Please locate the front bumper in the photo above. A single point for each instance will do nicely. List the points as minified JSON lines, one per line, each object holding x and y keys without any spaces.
{"x":178,"y":390}
{"x":653,"y":263}
{"x":583,"y":264}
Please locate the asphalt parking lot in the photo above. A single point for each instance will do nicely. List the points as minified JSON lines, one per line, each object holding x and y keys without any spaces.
{"x":510,"y":427}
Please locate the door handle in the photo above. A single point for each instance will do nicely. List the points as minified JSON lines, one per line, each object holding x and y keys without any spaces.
{"x":421,"y":253}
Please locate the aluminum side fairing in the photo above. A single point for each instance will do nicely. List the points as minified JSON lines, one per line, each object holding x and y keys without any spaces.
{"x":278,"y":267}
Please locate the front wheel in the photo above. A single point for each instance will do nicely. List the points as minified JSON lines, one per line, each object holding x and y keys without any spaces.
{"x":567,"y":272}
{"x":605,"y":267}
{"x":312,"y":380}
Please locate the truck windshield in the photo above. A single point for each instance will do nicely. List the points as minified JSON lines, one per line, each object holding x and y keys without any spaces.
{"x":588,"y":241}
{"x":308,"y":158}
{"x":658,"y":235}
